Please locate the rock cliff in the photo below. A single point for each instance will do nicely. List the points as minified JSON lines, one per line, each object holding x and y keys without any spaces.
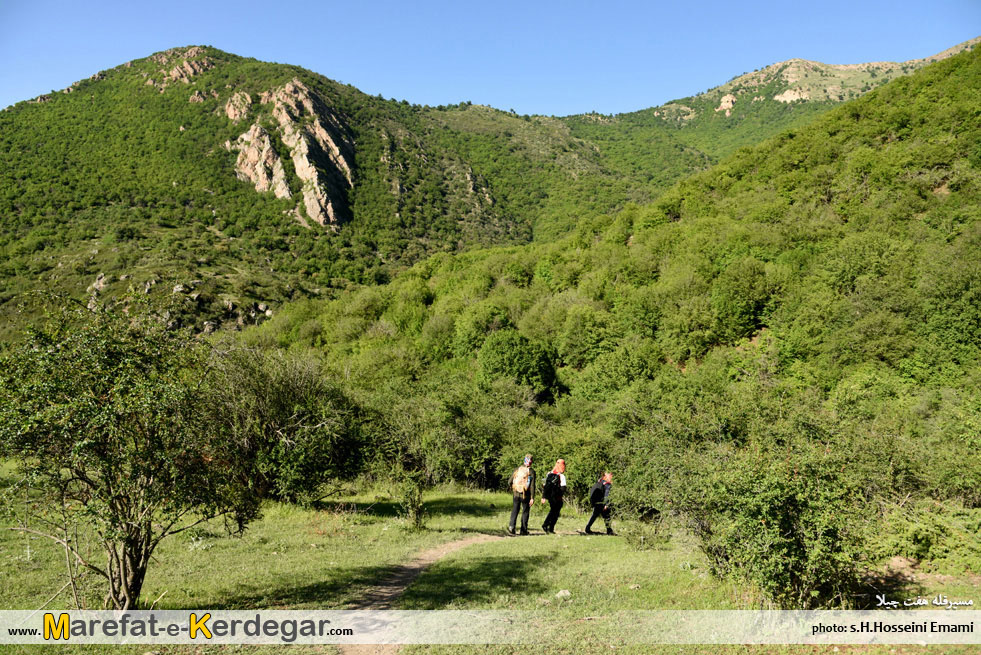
{"x":320,"y":146}
{"x":259,"y":163}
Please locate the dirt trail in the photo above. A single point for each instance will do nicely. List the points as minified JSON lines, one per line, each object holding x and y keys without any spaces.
{"x":382,"y":595}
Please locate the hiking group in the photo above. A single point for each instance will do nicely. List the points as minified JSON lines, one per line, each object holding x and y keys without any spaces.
{"x":522,"y":483}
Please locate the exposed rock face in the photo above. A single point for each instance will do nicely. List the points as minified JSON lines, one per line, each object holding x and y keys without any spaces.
{"x":726,"y":103}
{"x":790,"y":95}
{"x":189,"y":62}
{"x":259,"y":163}
{"x":238,"y":106}
{"x":321,"y":149}
{"x":99,"y":284}
{"x":320,"y":146}
{"x":189,"y":68}
{"x":197,"y":96}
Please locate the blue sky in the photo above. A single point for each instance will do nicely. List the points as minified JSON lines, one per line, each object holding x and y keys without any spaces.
{"x":535,"y":57}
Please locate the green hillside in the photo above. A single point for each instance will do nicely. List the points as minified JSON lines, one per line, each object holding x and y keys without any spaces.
{"x":781,"y":348}
{"x":245,"y":184}
{"x":136,"y":177}
{"x":757,"y":105}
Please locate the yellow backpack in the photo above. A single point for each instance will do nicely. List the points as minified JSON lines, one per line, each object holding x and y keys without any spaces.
{"x":521,"y":479}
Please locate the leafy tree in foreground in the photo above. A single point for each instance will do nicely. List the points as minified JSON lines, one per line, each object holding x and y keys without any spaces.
{"x":98,"y":408}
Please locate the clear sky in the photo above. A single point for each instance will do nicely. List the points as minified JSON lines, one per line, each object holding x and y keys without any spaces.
{"x":534,"y":56}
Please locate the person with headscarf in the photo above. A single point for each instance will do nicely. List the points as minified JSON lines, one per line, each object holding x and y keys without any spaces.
{"x":522,"y":483}
{"x":599,"y":497}
{"x":552,"y":491}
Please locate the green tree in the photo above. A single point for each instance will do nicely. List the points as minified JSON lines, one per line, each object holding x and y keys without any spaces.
{"x":507,"y":354}
{"x":98,"y":408}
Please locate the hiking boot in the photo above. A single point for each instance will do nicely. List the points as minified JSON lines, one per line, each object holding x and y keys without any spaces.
{"x":523,"y":533}
{"x":610,"y":532}
{"x":588,"y":531}
{"x":510,"y":531}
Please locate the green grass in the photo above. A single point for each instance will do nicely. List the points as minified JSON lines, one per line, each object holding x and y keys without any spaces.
{"x":303,"y":558}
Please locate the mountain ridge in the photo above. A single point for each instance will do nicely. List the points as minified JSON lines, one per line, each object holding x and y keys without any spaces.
{"x":779,"y":96}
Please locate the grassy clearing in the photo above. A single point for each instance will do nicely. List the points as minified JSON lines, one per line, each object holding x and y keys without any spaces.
{"x":300,"y":558}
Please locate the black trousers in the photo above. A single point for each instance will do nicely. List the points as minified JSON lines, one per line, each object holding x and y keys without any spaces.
{"x":598,"y":510}
{"x":554,"y":507}
{"x":525,"y":506}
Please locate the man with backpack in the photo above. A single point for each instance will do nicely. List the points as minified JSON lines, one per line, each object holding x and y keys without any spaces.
{"x":552,"y":491}
{"x":522,"y":484}
{"x":599,"y":497}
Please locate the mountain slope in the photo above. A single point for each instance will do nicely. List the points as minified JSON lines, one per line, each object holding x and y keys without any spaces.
{"x":785,"y":349}
{"x":246,"y":184}
{"x":254,"y":183}
{"x":831,"y":269}
{"x":754,"y":106}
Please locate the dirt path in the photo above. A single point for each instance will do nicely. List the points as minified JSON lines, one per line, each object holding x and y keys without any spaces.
{"x":382,"y":595}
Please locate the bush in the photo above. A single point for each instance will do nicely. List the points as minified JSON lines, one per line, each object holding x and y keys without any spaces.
{"x":942,"y":537}
{"x":293,"y":418}
{"x":410,"y":500}
{"x":474,"y":324}
{"x":507,"y":354}
{"x":791,"y":528}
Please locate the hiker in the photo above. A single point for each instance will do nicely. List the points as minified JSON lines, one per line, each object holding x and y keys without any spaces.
{"x":552,"y":491}
{"x":523,"y":491}
{"x":599,"y":496}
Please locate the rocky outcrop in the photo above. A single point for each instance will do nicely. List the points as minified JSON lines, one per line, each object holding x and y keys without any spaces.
{"x":259,"y":163}
{"x":99,"y":284}
{"x":792,"y":95}
{"x":197,"y":96}
{"x":188,"y":69}
{"x":188,"y":63}
{"x":238,"y":106}
{"x":320,"y":146}
{"x":726,"y":104}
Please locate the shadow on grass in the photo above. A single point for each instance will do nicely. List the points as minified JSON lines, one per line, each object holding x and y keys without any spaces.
{"x":474,"y":580}
{"x":339,"y":589}
{"x":891,"y":585}
{"x":447,"y":505}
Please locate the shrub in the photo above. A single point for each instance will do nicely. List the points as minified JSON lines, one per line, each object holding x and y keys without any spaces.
{"x":507,"y":354}
{"x":410,"y":500}
{"x":791,"y":528}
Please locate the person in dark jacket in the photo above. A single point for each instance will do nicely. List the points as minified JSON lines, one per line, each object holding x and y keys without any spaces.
{"x":599,"y":496}
{"x":552,"y":491}
{"x":522,"y":483}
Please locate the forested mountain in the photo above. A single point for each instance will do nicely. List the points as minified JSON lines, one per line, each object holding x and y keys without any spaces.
{"x":780,"y":348}
{"x":243,"y":184}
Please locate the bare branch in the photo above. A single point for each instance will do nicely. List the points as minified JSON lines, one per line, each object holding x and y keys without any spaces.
{"x":65,"y":544}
